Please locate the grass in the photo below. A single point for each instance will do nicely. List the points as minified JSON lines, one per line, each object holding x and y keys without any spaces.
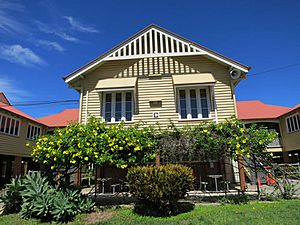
{"x":282,"y":212}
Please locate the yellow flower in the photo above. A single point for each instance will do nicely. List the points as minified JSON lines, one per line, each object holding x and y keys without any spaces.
{"x":52,"y":167}
{"x":55,"y":159}
{"x":123,"y":166}
{"x":242,"y":130}
{"x":137,"y":148}
{"x":238,"y":145}
{"x":73,"y":161}
{"x":260,"y":142}
{"x":86,"y":158}
{"x":244,"y":141}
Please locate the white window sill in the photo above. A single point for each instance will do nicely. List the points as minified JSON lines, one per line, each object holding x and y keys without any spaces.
{"x":125,"y":122}
{"x":291,"y":132}
{"x":195,"y":119}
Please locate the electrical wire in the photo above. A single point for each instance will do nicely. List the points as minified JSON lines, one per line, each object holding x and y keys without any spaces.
{"x":36,"y":103}
{"x":274,"y":69}
{"x":65,"y":102}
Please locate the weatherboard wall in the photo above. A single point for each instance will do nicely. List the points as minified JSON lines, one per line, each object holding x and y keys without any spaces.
{"x":291,"y":141}
{"x":16,"y":145}
{"x":155,"y":82}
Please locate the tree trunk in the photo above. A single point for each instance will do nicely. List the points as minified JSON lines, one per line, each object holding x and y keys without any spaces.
{"x":157,"y":160}
{"x":241,"y":174}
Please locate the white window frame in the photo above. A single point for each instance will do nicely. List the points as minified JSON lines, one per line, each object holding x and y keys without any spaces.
{"x":188,"y":102}
{"x":9,"y":126}
{"x":296,"y":124}
{"x":32,"y":126}
{"x":113,"y":105}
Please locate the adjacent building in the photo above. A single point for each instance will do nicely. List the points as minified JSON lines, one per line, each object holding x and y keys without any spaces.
{"x":59,"y":120}
{"x":285,"y":121}
{"x":16,"y":129}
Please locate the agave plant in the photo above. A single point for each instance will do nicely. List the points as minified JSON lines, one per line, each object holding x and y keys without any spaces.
{"x":64,"y":210}
{"x":12,"y":198}
{"x":37,"y":197}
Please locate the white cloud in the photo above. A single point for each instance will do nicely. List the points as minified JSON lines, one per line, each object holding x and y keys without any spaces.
{"x":9,"y":24}
{"x":55,"y":31}
{"x":75,"y":25}
{"x":49,"y":45}
{"x":12,"y":92}
{"x":18,"y":54}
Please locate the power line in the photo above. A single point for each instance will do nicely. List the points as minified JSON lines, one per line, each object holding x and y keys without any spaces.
{"x":35,"y":103}
{"x":274,"y":69}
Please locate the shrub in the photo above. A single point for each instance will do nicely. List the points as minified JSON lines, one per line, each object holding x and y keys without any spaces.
{"x":36,"y":198}
{"x":159,"y":188}
{"x":12,"y":198}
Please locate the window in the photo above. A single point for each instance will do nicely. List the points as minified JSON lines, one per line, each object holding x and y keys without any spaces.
{"x":33,"y":131}
{"x":293,"y":123}
{"x":9,"y":125}
{"x":193,"y":103}
{"x":117,"y":106}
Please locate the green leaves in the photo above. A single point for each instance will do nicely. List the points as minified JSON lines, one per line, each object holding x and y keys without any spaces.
{"x":214,"y":141}
{"x":97,"y":143}
{"x":123,"y":146}
{"x":12,"y":198}
{"x":159,"y":188}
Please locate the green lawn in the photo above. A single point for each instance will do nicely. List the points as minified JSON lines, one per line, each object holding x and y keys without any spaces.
{"x":283,"y":212}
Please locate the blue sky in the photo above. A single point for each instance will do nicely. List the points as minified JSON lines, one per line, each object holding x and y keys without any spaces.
{"x":42,"y":41}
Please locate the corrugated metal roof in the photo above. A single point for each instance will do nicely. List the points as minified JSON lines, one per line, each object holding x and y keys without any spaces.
{"x":61,"y":119}
{"x":251,"y":110}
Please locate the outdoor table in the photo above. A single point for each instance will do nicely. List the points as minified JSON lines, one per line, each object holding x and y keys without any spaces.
{"x":216,"y":179}
{"x":103,"y":180}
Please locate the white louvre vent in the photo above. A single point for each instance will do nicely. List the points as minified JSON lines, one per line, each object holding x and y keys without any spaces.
{"x":154,"y":43}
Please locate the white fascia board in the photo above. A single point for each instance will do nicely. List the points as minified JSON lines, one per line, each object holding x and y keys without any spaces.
{"x":226,"y":61}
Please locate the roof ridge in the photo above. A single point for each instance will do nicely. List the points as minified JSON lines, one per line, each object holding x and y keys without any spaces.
{"x":91,"y":64}
{"x":245,"y":101}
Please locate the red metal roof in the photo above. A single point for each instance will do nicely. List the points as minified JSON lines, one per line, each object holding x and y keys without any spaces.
{"x":61,"y":119}
{"x":12,"y":109}
{"x":3,"y":99}
{"x":251,"y":110}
